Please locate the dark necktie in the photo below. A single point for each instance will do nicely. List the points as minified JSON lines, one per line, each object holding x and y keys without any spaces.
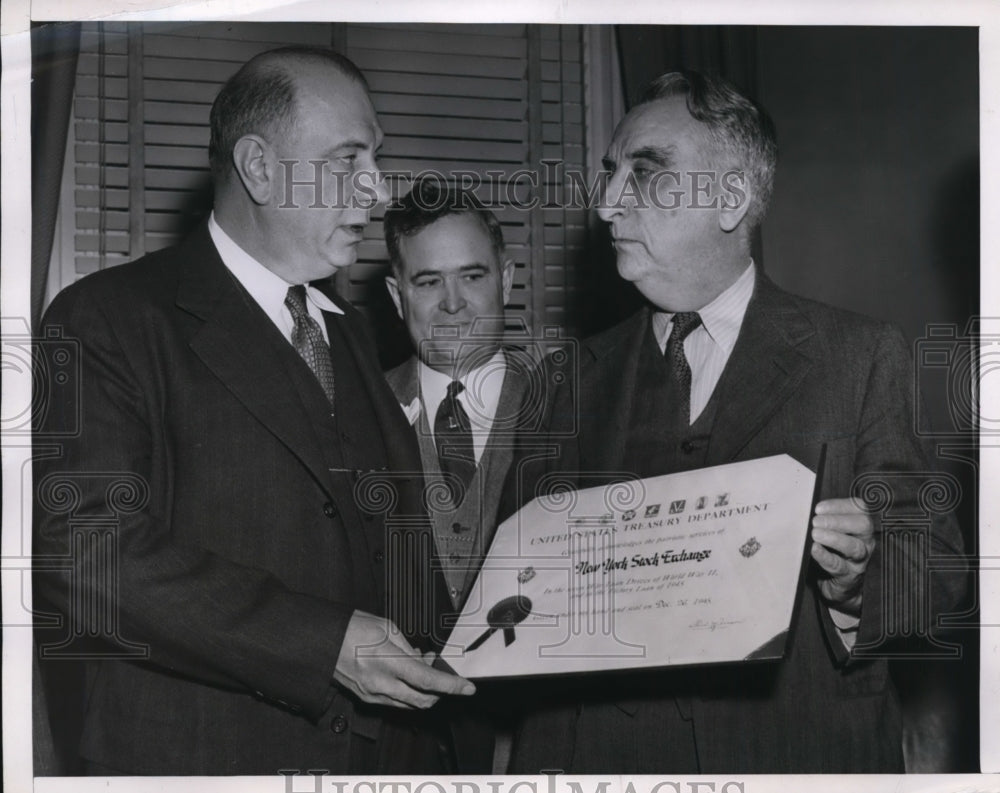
{"x":308,"y":341}
{"x":683,"y":323}
{"x":453,"y":438}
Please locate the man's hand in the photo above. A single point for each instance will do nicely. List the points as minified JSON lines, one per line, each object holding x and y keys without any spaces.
{"x":378,"y":665}
{"x":843,"y":539}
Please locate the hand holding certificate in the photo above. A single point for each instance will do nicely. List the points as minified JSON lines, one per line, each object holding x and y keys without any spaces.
{"x":691,"y":568}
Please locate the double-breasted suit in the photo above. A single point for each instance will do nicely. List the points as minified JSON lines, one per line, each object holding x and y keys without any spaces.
{"x":254,"y":524}
{"x":801,"y":375}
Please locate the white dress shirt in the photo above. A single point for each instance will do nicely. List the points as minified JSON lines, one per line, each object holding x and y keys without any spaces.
{"x":480,"y":396}
{"x":265,"y":287}
{"x":709,"y":346}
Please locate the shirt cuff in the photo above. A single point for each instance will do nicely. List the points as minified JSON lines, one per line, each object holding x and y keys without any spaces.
{"x":846,"y":625}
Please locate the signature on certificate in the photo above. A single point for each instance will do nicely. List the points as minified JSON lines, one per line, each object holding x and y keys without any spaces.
{"x":711,"y":625}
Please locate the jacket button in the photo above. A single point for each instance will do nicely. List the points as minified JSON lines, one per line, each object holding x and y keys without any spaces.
{"x":329,"y":510}
{"x":379,"y":555}
{"x":338,"y":725}
{"x":687,"y":447}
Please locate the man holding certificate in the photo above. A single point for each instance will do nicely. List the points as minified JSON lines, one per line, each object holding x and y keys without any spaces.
{"x":723,"y":367}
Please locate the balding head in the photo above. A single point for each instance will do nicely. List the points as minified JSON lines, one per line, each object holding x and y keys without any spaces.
{"x":260,"y":100}
{"x":294,"y":142}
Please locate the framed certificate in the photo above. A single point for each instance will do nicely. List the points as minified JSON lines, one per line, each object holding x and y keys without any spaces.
{"x":698,"y":567}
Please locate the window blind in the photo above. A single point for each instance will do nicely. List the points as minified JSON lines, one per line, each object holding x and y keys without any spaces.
{"x":477,"y":104}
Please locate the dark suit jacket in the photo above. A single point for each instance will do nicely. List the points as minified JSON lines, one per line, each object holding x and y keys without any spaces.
{"x":801,"y":375}
{"x":236,"y":557}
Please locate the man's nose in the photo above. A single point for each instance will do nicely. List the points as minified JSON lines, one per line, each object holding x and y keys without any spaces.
{"x":381,"y":186}
{"x":611,"y":204}
{"x":371,"y":188}
{"x":453,"y":300}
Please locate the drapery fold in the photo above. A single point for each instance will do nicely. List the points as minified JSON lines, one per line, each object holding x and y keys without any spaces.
{"x":54,"y":50}
{"x":647,"y":51}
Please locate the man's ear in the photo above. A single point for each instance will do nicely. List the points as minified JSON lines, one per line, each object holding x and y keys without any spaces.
{"x":254,"y":163}
{"x":392,"y":287}
{"x":735,"y":196}
{"x":507,"y":278}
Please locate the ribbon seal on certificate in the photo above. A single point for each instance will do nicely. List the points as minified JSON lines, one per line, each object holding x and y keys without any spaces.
{"x":504,"y":616}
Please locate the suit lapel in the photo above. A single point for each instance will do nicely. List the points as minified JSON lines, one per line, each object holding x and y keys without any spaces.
{"x":513,"y":389}
{"x":609,"y":385}
{"x":240,"y":344}
{"x":767,"y":365}
{"x":409,"y":537}
{"x":397,"y":434}
{"x":403,"y":381}
{"x":499,"y":449}
{"x":494,"y":466}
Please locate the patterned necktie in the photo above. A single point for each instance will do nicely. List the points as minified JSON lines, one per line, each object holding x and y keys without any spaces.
{"x":308,"y":341}
{"x":683,"y":323}
{"x":453,"y":438}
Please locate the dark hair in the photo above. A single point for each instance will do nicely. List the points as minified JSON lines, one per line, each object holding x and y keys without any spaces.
{"x":743,"y":133}
{"x":429,"y":200}
{"x":260,"y":98}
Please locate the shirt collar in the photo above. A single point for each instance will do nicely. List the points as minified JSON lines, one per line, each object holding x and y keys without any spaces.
{"x":722,"y":317}
{"x":264,"y":286}
{"x":484,"y":382}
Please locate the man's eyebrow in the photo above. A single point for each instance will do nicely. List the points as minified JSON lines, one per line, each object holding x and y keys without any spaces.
{"x":661,"y":155}
{"x":348,"y":145}
{"x":424,"y":273}
{"x":465,"y":268}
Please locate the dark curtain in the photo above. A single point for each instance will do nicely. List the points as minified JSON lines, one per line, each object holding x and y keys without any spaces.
{"x":54,"y":50}
{"x":647,"y":51}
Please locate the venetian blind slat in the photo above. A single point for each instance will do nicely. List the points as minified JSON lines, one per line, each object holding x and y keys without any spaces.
{"x":452,"y":100}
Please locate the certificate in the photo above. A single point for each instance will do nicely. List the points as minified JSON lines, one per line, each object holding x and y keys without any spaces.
{"x":697,"y":567}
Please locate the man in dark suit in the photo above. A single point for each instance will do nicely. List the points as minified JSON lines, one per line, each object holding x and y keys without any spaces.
{"x":228,"y":516}
{"x":721,"y":366}
{"x":463,"y":390}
